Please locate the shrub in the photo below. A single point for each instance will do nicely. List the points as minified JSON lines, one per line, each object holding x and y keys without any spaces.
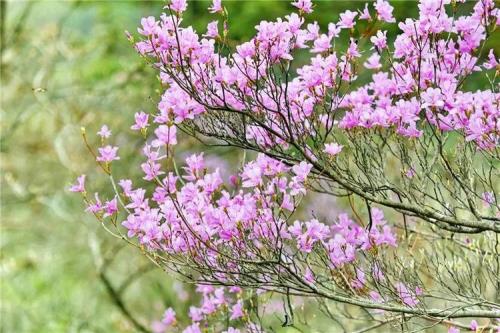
{"x":384,"y":122}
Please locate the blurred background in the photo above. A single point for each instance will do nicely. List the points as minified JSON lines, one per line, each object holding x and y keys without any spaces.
{"x":64,"y":65}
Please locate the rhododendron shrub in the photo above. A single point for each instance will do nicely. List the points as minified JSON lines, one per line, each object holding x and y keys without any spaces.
{"x":384,"y":122}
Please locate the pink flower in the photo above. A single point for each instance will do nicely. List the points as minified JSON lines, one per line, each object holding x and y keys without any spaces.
{"x":386,"y":237}
{"x":110,"y":207}
{"x":169,"y":317}
{"x":178,"y":6}
{"x":287,"y":203}
{"x":360,"y":280}
{"x":473,"y":325}
{"x":365,"y":14}
{"x":375,"y":296}
{"x":352,"y":51}
{"x":149,"y":26}
{"x":492,"y":62}
{"x":235,"y":290}
{"x":321,"y":44}
{"x":104,"y":132}
{"x":488,"y":198}
{"x":237,"y":310}
{"x":194,"y":328}
{"x":373,"y":62}
{"x":208,"y":306}
{"x":176,"y":102}
{"x":126,"y":185}
{"x":216,"y":7}
{"x":453,"y":329}
{"x":158,"y":327}
{"x":315,"y":231}
{"x":151,"y":169}
{"x":410,"y":173}
{"x":309,"y":275}
{"x":246,"y":50}
{"x":347,"y":19}
{"x":384,"y":11}
{"x":195,"y":166}
{"x":380,"y":40}
{"x":407,"y":297}
{"x":79,"y":187}
{"x":302,"y":170}
{"x":165,"y":135}
{"x":333,"y":30}
{"x":294,"y":22}
{"x":196,"y":314}
{"x":333,"y":148}
{"x":220,"y":298}
{"x":433,"y":97}
{"x":296,"y":228}
{"x":141,"y":121}
{"x":96,"y":206}
{"x":205,"y":289}
{"x":212,"y":30}
{"x":303,"y":5}
{"x":107,"y":154}
{"x":251,"y":175}
{"x":475,"y":129}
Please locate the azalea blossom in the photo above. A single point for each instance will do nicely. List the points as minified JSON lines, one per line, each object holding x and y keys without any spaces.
{"x":169,"y":318}
{"x":373,"y":62}
{"x":212,"y":30}
{"x":216,"y":6}
{"x":237,"y":310}
{"x":107,"y":154}
{"x":347,"y":19}
{"x":165,"y":135}
{"x":178,"y":6}
{"x":303,"y":5}
{"x":333,"y":148}
{"x":104,"y":132}
{"x":380,"y":40}
{"x":384,"y":11}
{"x":141,"y":121}
{"x":79,"y":186}
{"x":365,"y":14}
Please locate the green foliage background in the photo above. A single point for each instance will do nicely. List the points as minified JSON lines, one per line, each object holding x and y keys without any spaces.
{"x":67,"y":64}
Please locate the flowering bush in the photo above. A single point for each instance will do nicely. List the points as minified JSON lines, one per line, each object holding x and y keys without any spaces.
{"x":384,"y":121}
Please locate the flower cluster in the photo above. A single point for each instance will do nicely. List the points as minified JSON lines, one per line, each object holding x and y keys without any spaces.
{"x":214,"y":301}
{"x":243,"y":232}
{"x":201,"y":216}
{"x":432,"y":69}
{"x":419,"y":86}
